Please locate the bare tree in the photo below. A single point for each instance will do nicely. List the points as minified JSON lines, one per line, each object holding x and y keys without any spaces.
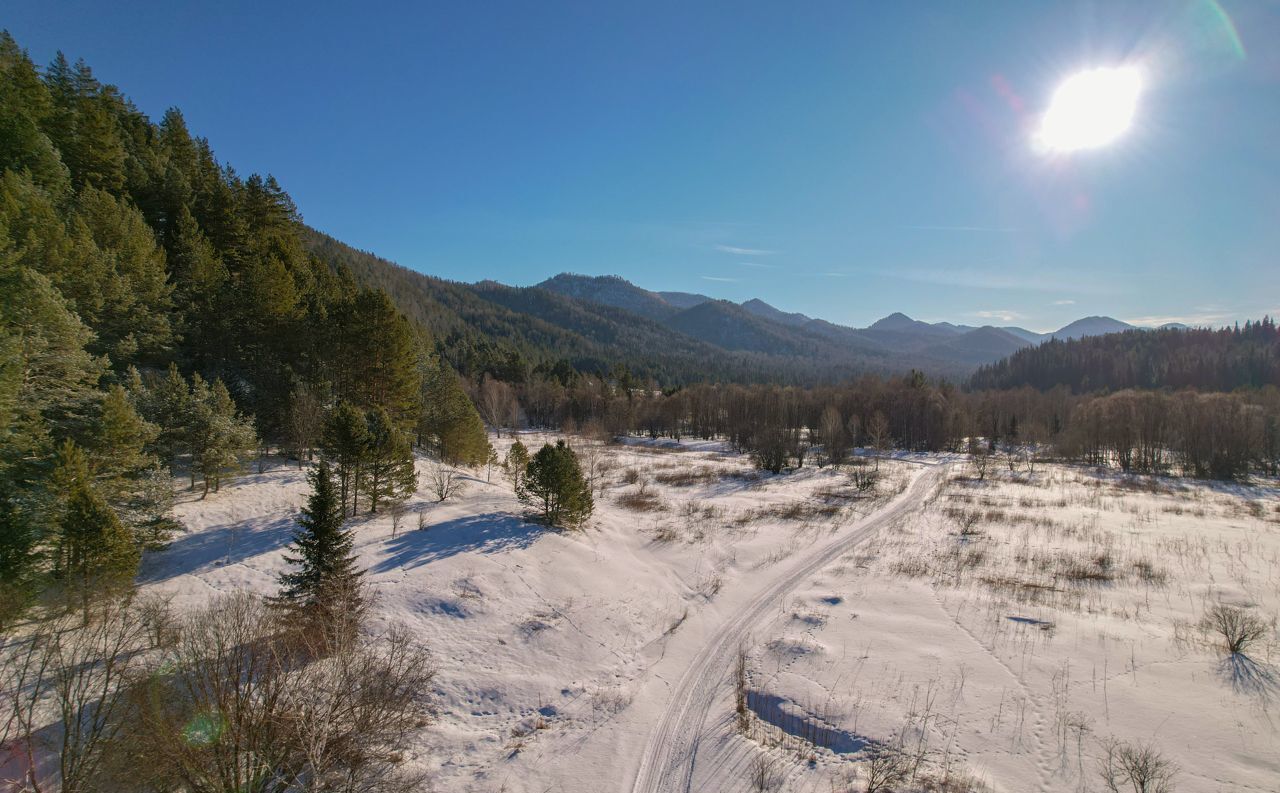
{"x":1127,"y":767}
{"x":981,"y":459}
{"x":878,"y":434}
{"x":498,"y":404}
{"x":1239,"y":627}
{"x":445,"y":481}
{"x":490,"y":460}
{"x":398,"y":510}
{"x":303,"y":424}
{"x":834,"y":439}
{"x":64,"y":692}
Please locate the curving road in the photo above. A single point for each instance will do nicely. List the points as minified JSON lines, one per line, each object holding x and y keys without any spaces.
{"x":672,"y":747}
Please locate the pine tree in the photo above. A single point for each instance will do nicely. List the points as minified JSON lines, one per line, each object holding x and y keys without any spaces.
{"x":388,"y":472}
{"x":119,"y":442}
{"x":18,"y":561}
{"x":95,"y":549}
{"x":515,"y":463}
{"x":345,"y":445}
{"x":326,"y":586}
{"x":554,"y":483}
{"x":220,"y":437}
{"x":168,"y":405}
{"x":375,"y":356}
{"x":450,"y":424}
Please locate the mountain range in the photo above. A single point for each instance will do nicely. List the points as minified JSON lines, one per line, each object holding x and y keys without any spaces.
{"x":596,"y":322}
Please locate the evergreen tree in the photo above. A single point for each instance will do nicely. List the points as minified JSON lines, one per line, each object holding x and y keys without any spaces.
{"x":95,"y":550}
{"x":555,"y":485}
{"x":450,"y":423}
{"x":515,"y":463}
{"x":388,"y":471}
{"x":345,"y":444}
{"x":18,"y":560}
{"x":167,"y":405}
{"x":326,"y":586}
{"x":220,"y":437}
{"x":26,"y":100}
{"x":119,"y":444}
{"x":375,"y":357}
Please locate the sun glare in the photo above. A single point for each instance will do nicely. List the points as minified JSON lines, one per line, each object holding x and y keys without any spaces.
{"x":1090,"y":109}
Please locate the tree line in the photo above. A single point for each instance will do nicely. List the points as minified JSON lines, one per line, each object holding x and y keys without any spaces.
{"x":1187,"y":432}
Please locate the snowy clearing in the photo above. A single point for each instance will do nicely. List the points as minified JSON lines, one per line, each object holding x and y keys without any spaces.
{"x":1001,"y":628}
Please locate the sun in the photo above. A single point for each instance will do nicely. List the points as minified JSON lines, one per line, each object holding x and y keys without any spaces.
{"x":1090,"y":109}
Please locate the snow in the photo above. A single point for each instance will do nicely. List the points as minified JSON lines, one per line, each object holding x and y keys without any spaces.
{"x":572,"y":661}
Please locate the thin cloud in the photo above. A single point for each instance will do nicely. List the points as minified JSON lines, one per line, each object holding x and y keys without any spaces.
{"x":1194,"y":320}
{"x":1002,"y":314}
{"x":980,"y":229}
{"x":1002,"y":279}
{"x":718,"y":278}
{"x":736,"y":251}
{"x":758,"y":265}
{"x":1064,"y":302}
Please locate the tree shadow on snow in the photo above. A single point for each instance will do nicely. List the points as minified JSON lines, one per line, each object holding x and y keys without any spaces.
{"x":1250,"y":677}
{"x":494,"y":532}
{"x":216,"y":546}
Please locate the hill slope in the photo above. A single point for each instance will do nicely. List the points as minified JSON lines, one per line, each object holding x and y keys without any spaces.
{"x":1209,"y":360}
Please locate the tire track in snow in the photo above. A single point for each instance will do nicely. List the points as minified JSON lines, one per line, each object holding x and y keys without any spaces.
{"x":671,"y":750}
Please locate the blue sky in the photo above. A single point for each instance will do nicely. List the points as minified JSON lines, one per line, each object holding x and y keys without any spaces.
{"x":837,"y":158}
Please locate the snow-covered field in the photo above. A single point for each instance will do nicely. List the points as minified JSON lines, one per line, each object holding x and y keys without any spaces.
{"x":1004,"y":627}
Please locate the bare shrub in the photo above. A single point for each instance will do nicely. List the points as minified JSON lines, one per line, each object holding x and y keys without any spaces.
{"x":687,"y":477}
{"x":64,"y":691}
{"x":1239,"y":627}
{"x":156,"y":612}
{"x":666,"y":532}
{"x":246,"y":699}
{"x":742,"y":715}
{"x":764,"y":773}
{"x":1149,"y":573}
{"x":445,"y":482}
{"x":887,"y":767}
{"x":631,"y":476}
{"x":949,"y":781}
{"x":863,"y":476}
{"x":641,"y":500}
{"x":1077,"y":569}
{"x":1128,"y":767}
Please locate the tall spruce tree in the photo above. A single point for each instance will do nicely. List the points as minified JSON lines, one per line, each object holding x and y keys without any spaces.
{"x":345,"y":445}
{"x":95,"y":551}
{"x":450,"y":424}
{"x":388,"y":472}
{"x":326,"y":586}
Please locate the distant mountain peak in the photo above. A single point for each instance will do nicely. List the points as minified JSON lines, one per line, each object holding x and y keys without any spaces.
{"x":1091,"y":326}
{"x":895,"y":321}
{"x":762,"y":309}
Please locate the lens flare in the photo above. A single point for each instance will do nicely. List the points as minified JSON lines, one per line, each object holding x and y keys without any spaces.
{"x":1090,"y":109}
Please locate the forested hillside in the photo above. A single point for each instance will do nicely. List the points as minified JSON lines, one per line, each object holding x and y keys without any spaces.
{"x":159,"y":312}
{"x":1204,"y":359}
{"x":515,"y":333}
